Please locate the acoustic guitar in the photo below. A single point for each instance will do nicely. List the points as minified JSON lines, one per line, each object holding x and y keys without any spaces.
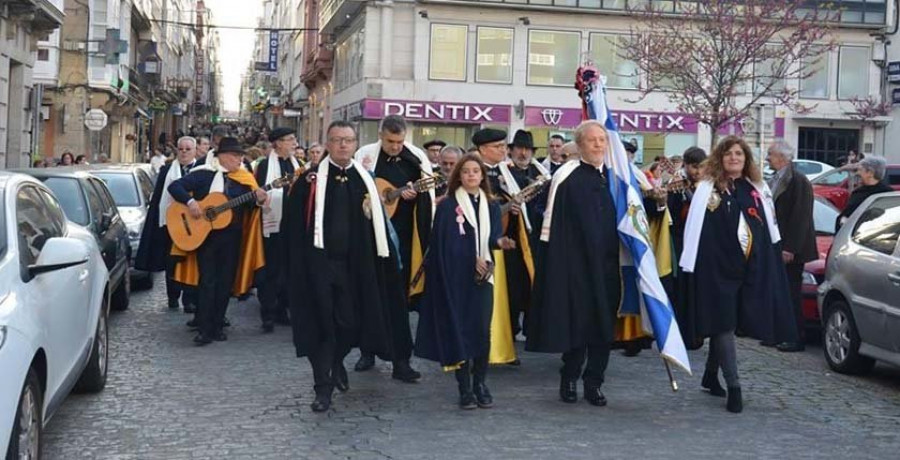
{"x":528,"y":193}
{"x":390,"y":195}
{"x":189,"y":233}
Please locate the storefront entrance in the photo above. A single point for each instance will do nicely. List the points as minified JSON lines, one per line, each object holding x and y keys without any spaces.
{"x":827,"y":145}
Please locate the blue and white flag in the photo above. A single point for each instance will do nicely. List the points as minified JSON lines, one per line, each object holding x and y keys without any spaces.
{"x":643,"y":292}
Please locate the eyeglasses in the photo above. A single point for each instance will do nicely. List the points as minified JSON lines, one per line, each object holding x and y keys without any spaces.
{"x":341,"y":140}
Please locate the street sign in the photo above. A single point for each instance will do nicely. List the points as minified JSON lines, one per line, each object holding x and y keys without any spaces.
{"x":893,"y":72}
{"x":895,"y":96}
{"x":95,"y":119}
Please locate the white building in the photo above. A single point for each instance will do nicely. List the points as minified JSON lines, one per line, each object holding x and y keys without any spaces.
{"x":22,"y":24}
{"x":453,"y":66}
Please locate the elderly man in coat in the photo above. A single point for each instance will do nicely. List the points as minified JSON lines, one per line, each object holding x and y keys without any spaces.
{"x":794,"y":213}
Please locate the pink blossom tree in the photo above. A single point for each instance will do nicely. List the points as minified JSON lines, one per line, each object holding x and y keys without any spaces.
{"x":717,"y":59}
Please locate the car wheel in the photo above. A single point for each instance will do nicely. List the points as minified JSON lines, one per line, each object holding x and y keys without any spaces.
{"x":144,"y":283}
{"x":841,"y":341}
{"x":93,"y":377}
{"x":121,"y":296}
{"x":25,"y":441}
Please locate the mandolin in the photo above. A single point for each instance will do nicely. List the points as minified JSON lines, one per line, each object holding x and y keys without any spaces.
{"x":189,"y":233}
{"x":390,"y":195}
{"x":528,"y":193}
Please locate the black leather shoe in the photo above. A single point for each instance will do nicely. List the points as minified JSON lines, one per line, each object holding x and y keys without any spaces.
{"x":190,"y":308}
{"x":711,"y":383}
{"x":515,"y":362}
{"x":632,"y":349}
{"x":568,"y":391}
{"x":594,"y":396}
{"x":321,"y":404}
{"x":482,"y":395}
{"x":735,"y":402}
{"x":366,"y":362}
{"x":173,"y":304}
{"x":202,"y":340}
{"x":767,"y":344}
{"x":467,"y":400}
{"x":791,"y":347}
{"x":268,"y":326}
{"x":192,"y":324}
{"x":341,"y":381}
{"x":405,"y":373}
{"x":220,"y":337}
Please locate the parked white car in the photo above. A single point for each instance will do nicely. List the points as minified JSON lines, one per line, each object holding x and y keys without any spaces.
{"x":809,"y":168}
{"x":53,"y":312}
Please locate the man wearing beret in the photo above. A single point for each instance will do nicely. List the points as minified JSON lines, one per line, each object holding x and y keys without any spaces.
{"x":492,"y":148}
{"x":272,"y":283}
{"x":433,"y":149}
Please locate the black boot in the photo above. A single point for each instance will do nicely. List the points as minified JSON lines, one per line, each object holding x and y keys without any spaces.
{"x":405,"y":373}
{"x":735,"y":401}
{"x":173,"y":304}
{"x":322,"y":402}
{"x":464,"y":380}
{"x":594,"y":396}
{"x":366,"y":362}
{"x":711,"y":382}
{"x":479,"y":374}
{"x":339,"y":375}
{"x":568,"y":390}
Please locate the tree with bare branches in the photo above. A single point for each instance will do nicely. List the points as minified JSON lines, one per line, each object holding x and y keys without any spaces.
{"x":718,"y":59}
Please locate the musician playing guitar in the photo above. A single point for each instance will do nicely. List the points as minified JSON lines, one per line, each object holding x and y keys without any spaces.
{"x":228,"y":258}
{"x":402,"y":164}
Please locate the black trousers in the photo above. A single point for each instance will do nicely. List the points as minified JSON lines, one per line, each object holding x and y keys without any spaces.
{"x":518,"y":288}
{"x":331,"y":353}
{"x":272,"y":285}
{"x":176,"y":290}
{"x":217,"y":259}
{"x":597,"y":357}
{"x":795,"y":283}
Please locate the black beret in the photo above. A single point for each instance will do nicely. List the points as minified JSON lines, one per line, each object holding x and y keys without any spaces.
{"x":630,"y":147}
{"x":278,"y":133}
{"x":488,"y":135}
{"x":433,"y":143}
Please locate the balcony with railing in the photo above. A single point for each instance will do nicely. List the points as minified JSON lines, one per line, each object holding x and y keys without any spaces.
{"x":851,"y":12}
{"x":336,"y":13}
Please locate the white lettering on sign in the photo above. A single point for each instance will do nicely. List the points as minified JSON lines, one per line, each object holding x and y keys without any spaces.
{"x":645,"y":122}
{"x":426,"y":111}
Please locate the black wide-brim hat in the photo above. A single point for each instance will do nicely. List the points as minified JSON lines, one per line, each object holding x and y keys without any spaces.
{"x":229,"y":145}
{"x":278,"y":133}
{"x":524,"y":139}
{"x":488,"y":135}
{"x":436,"y":142}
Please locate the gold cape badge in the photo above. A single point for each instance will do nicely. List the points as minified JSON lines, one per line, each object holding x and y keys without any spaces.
{"x":367,"y":207}
{"x":714,"y":201}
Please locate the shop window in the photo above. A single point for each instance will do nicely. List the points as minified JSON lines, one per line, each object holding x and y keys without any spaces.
{"x":448,"y":52}
{"x":815,"y":85}
{"x":495,"y":54}
{"x":551,"y":57}
{"x":853,"y":72}
{"x":620,"y":73}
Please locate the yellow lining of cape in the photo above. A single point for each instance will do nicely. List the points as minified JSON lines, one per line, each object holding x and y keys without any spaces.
{"x":416,"y":258}
{"x":187,"y":271}
{"x":525,"y":246}
{"x":503,"y":350}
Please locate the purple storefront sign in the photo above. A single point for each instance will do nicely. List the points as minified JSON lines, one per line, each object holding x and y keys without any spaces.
{"x":443,"y":112}
{"x":628,"y":121}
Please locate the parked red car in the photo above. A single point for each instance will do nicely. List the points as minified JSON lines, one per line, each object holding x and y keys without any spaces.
{"x":835,"y":184}
{"x":824,"y":219}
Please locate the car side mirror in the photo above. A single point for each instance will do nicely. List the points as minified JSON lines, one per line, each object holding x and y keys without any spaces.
{"x":58,"y":254}
{"x":106,"y":219}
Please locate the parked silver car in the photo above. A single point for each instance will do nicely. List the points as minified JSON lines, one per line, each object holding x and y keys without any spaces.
{"x":860,"y":298}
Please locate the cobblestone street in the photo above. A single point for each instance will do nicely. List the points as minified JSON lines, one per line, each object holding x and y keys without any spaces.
{"x":249,"y":398}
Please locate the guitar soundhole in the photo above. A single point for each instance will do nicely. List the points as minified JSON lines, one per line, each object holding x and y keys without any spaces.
{"x":210,"y":214}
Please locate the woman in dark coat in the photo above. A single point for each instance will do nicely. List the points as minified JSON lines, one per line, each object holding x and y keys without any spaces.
{"x":871,"y":172}
{"x":455,"y":313}
{"x":736,"y":276}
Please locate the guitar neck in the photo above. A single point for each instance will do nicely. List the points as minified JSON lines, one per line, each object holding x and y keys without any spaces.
{"x":240,"y":200}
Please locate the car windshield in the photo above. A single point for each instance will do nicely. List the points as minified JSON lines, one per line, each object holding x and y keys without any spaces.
{"x":833,"y":178}
{"x":824,"y":217}
{"x":806,"y":167}
{"x":122,"y":187}
{"x":71,"y":199}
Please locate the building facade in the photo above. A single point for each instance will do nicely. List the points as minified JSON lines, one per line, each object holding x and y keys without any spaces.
{"x":22,"y":24}
{"x":454,"y":66}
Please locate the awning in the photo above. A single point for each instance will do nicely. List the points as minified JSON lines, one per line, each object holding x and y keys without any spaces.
{"x":842,"y":117}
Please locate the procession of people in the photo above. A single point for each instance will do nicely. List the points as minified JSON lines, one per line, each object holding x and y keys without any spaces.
{"x":488,"y":247}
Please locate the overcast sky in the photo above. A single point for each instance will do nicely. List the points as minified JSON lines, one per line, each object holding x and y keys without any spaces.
{"x":237,"y":45}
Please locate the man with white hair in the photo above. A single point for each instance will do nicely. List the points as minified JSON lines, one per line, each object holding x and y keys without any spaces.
{"x":793,"y":197}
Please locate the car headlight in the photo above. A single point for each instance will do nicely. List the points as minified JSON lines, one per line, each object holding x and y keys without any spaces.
{"x":2,"y":336}
{"x":809,"y":279}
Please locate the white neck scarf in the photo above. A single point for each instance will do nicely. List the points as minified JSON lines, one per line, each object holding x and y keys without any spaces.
{"x":512,"y":187}
{"x":561,"y":175}
{"x":377,"y":212}
{"x":271,"y":218}
{"x":166,"y":199}
{"x":482,"y":240}
{"x":367,"y":156}
{"x":697,"y":213}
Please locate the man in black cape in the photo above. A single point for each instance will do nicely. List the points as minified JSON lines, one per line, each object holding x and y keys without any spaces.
{"x":401,"y":164}
{"x":153,"y":251}
{"x":577,"y":289}
{"x":341,"y":272}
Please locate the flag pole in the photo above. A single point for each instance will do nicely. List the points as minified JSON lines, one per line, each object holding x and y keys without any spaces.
{"x":672,"y":380}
